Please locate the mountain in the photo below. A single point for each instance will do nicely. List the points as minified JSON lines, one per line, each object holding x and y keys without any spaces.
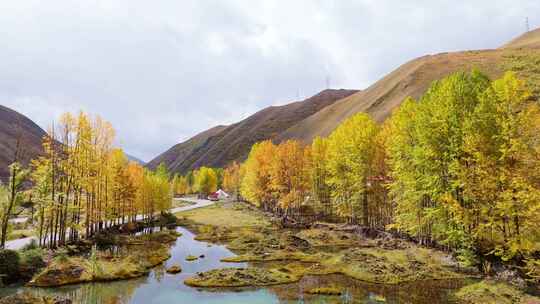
{"x":321,"y":114}
{"x":175,"y":156}
{"x":414,"y":77}
{"x":135,"y":159}
{"x":221,"y":145}
{"x":17,"y":130}
{"x":529,"y":40}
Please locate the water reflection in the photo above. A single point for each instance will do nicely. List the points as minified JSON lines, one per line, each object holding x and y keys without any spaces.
{"x":160,"y":287}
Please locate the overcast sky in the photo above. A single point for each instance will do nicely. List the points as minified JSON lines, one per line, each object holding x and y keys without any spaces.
{"x":161,"y":71}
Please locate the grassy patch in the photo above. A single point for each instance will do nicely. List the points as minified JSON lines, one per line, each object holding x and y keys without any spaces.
{"x":240,"y":277}
{"x":395,"y":266}
{"x":20,"y":233}
{"x":142,"y":253}
{"x":328,"y":290}
{"x":526,"y":64}
{"x":174,"y":269}
{"x":225,"y":215}
{"x":487,"y":292}
{"x":181,"y":203}
{"x":191,"y":258}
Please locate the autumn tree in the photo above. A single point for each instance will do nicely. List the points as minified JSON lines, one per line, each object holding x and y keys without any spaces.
{"x":255,"y":187}
{"x":289,"y":175}
{"x":319,"y":174}
{"x":350,"y":155}
{"x":206,"y":180}
{"x":232,"y":178}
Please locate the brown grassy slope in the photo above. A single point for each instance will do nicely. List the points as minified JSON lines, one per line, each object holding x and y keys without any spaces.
{"x":14,"y":125}
{"x":414,"y":77}
{"x":529,"y":40}
{"x":235,"y":141}
{"x":174,"y":157}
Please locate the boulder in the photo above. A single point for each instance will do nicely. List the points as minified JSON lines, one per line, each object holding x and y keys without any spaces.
{"x":174,"y":269}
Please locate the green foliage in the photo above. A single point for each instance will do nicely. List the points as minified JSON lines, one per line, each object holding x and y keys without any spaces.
{"x":465,"y":166}
{"x":61,"y":255}
{"x":532,"y":268}
{"x":9,"y":265}
{"x":95,"y":266}
{"x":350,"y":154}
{"x":206,"y":180}
{"x":32,"y":260}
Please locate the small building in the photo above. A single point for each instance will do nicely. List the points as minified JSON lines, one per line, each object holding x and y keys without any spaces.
{"x":218,"y":195}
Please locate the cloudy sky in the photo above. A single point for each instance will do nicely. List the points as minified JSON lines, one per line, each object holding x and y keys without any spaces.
{"x":161,"y":71}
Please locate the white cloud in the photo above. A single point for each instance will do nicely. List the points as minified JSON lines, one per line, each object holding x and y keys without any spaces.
{"x":161,"y":71}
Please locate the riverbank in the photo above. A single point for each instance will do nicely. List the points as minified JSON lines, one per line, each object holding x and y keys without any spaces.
{"x":285,"y":255}
{"x":179,"y":205}
{"x":128,"y":257}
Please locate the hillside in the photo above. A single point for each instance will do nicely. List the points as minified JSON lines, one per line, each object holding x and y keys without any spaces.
{"x":17,"y":127}
{"x":521,"y":55}
{"x":530,"y":39}
{"x":174,"y":157}
{"x":234,"y":142}
{"x":135,"y":159}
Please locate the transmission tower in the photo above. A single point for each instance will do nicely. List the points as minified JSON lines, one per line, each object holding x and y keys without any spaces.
{"x":527,"y":24}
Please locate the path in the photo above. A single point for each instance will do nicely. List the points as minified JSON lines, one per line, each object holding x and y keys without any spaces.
{"x":198,"y":203}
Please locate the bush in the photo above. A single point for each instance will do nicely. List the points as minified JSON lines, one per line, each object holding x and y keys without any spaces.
{"x":104,"y":239}
{"x":167,"y":219}
{"x":9,"y":265}
{"x":61,"y":255}
{"x":532,"y":269}
{"x":32,"y":260}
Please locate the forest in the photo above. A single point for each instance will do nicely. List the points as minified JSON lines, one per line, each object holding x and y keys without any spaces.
{"x":82,"y":185}
{"x":458,"y":169}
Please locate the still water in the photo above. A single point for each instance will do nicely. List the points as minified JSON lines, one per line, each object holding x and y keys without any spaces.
{"x":162,"y":288}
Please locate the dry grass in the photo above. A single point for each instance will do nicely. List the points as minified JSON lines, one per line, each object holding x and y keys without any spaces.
{"x":226,"y":216}
{"x":491,"y":292}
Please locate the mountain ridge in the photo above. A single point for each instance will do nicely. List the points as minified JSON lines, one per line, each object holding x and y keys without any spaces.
{"x":235,"y":141}
{"x":17,"y":130}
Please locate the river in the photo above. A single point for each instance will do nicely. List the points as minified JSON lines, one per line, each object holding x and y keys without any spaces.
{"x":162,"y":288}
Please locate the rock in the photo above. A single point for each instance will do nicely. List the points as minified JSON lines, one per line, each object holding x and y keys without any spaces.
{"x":191,"y":258}
{"x":201,"y":256}
{"x":512,"y":277}
{"x":174,"y":269}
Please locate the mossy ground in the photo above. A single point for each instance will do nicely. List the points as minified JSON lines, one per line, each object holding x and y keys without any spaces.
{"x":180,"y":203}
{"x":241,"y":277}
{"x":140,"y":254}
{"x":326,"y":290}
{"x":225,"y":215}
{"x":327,"y":249}
{"x":28,"y":298}
{"x":491,"y":292}
{"x":174,"y":269}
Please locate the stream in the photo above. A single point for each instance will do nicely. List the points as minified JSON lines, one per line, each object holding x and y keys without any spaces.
{"x":162,"y":288}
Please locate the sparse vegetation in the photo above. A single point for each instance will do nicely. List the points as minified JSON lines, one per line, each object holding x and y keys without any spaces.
{"x":490,"y":292}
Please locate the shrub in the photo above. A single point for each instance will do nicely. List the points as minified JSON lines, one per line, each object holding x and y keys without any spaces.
{"x":9,"y":265}
{"x":104,"y":239}
{"x":32,"y":261}
{"x":533,"y":270}
{"x":167,"y":219}
{"x":61,"y":255}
